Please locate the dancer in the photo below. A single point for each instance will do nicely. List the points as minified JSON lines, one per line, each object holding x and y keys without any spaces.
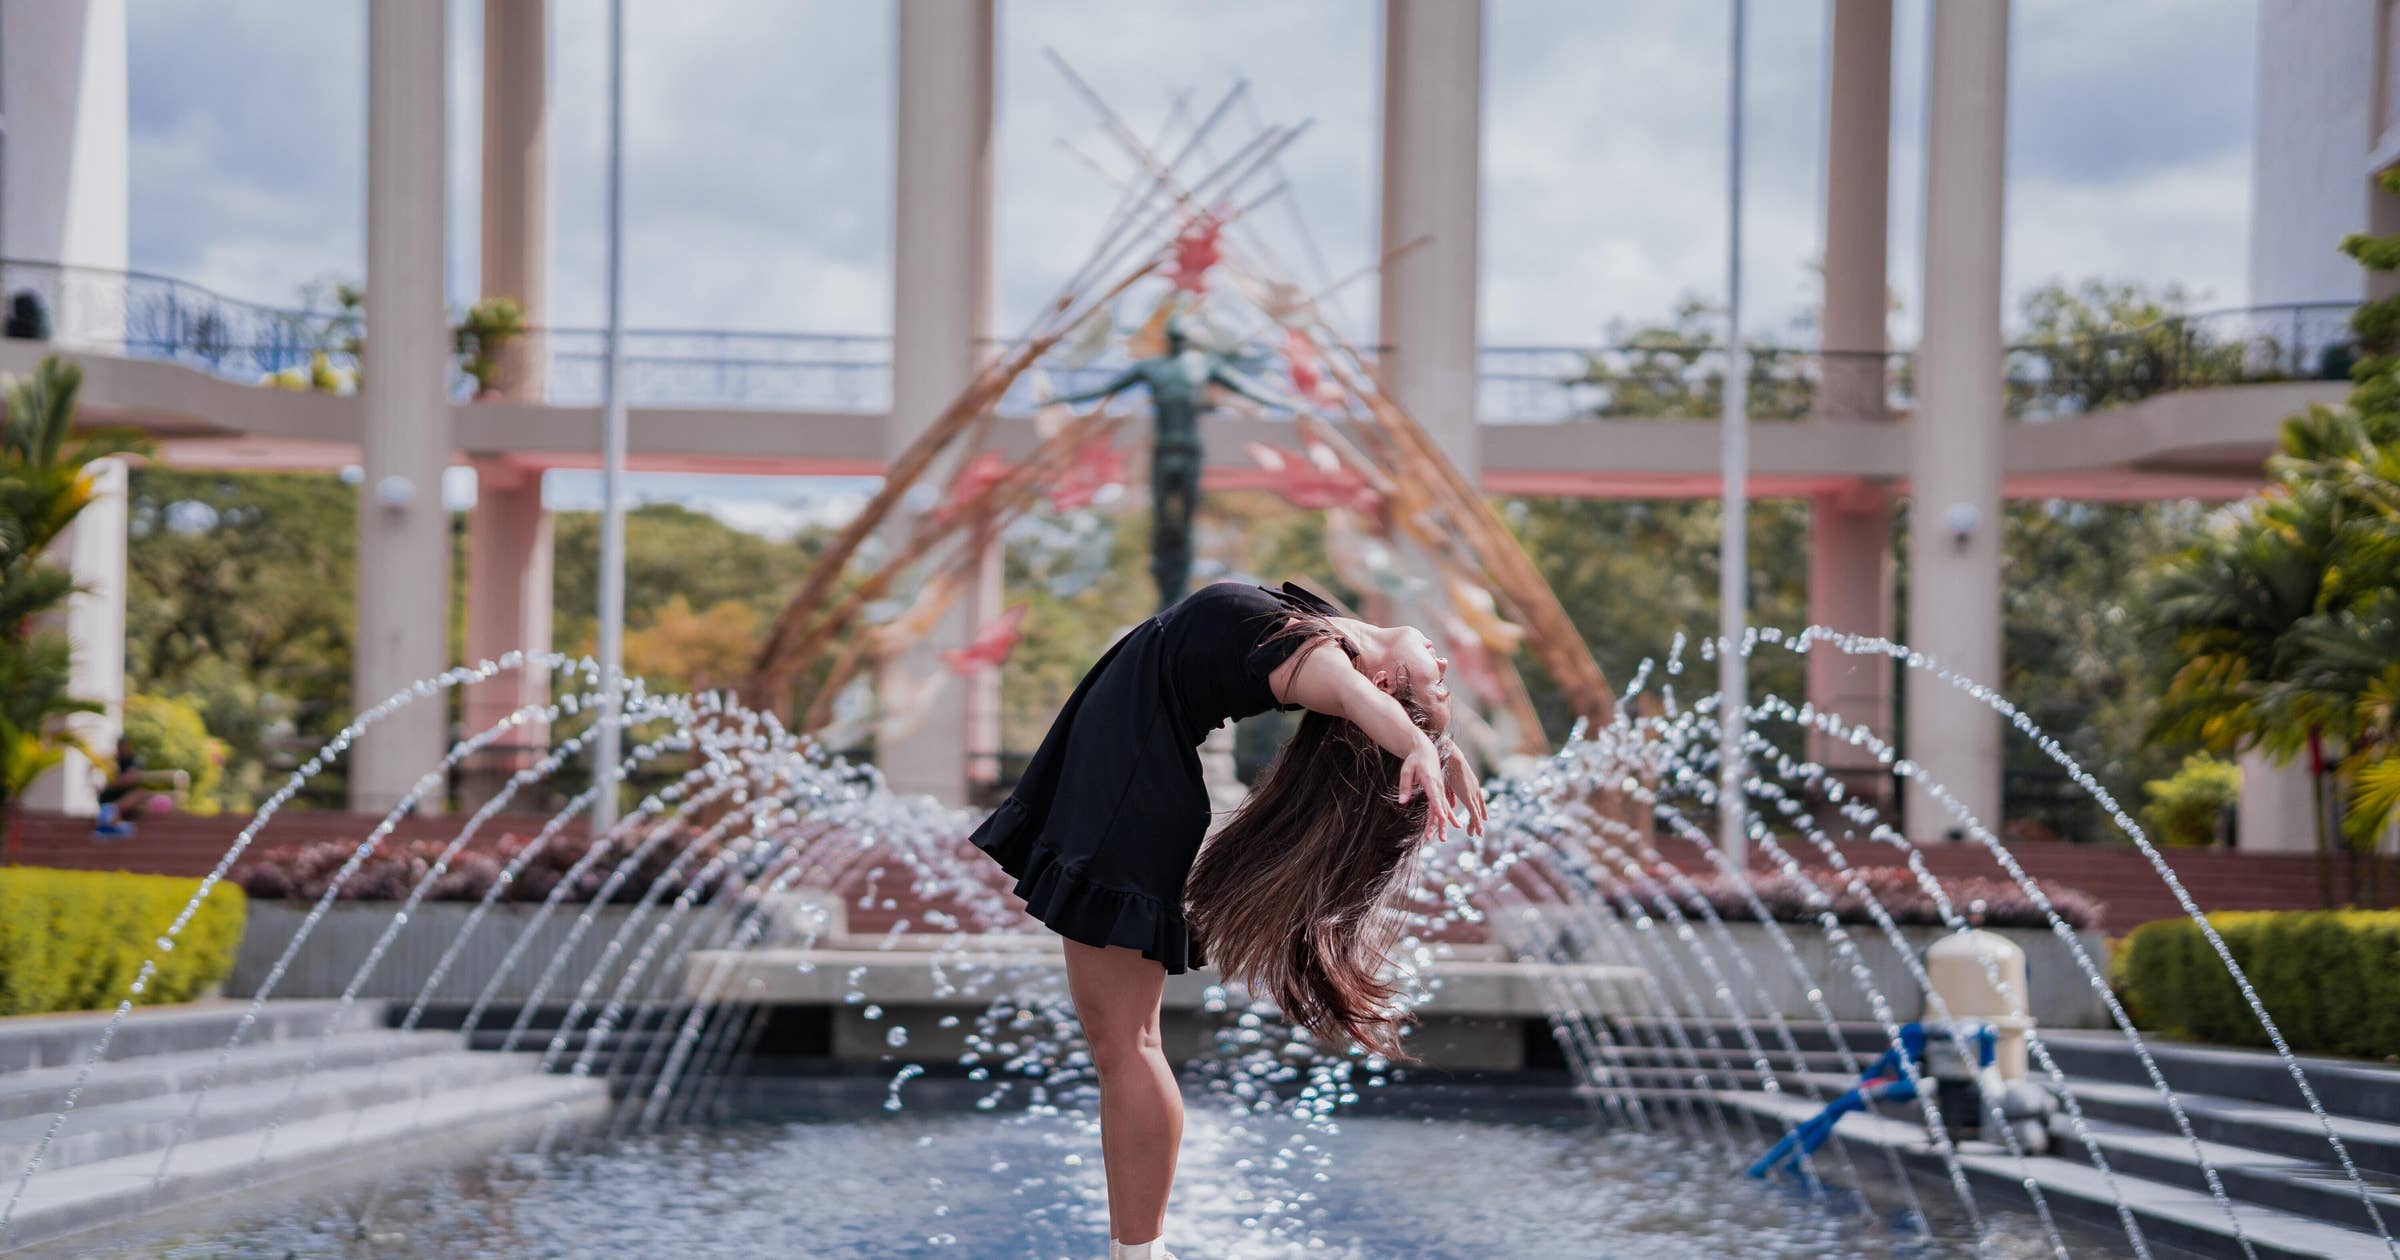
{"x":1103,"y":834}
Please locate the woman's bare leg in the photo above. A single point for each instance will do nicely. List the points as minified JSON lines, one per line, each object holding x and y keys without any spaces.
{"x":1116,"y":992}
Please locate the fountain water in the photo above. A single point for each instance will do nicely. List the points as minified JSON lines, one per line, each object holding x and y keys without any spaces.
{"x":740,"y":865}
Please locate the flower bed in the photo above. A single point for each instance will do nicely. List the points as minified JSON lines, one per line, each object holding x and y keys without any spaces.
{"x":397,"y":866}
{"x":1991,"y":903}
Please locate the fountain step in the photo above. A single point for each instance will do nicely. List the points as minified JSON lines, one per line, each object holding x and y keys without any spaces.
{"x":2346,"y":1087}
{"x":2175,"y":1215}
{"x":1864,"y":1038}
{"x":2244,"y":1123}
{"x":42,"y":1091}
{"x":321,"y":1150}
{"x":1713,"y":1057}
{"x":549,"y":1015}
{"x":147,"y":1126}
{"x":39,"y":1041}
{"x":2313,"y":1188}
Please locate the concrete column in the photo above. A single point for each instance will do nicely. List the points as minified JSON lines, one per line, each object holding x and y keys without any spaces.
{"x":516,"y":177}
{"x":1850,"y":589}
{"x":2277,"y":813}
{"x":93,"y":549}
{"x":508,"y":607}
{"x":941,"y":290}
{"x":1432,"y":170}
{"x":1954,"y":454}
{"x":508,"y":534}
{"x":2313,"y":125}
{"x":403,"y":530}
{"x":1858,"y":146}
{"x":63,"y":164}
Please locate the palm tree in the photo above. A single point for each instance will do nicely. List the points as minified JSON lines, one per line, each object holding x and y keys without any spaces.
{"x":45,"y":481}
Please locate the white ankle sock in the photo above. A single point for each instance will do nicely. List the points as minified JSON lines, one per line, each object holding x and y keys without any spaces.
{"x":1155,"y":1249}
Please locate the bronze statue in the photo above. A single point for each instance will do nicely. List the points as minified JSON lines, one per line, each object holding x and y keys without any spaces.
{"x":1178,"y":382}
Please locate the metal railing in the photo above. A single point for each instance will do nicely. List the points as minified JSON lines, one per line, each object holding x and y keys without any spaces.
{"x":147,"y":316}
{"x":2247,"y":346}
{"x":1666,"y":379}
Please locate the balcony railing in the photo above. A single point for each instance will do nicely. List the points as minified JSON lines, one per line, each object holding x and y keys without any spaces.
{"x":160,"y":318}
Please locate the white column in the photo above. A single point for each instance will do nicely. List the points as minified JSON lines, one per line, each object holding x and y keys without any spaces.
{"x":403,"y":530}
{"x":1850,"y":573}
{"x":515,"y":257}
{"x":1432,"y":170}
{"x":1858,"y":147}
{"x":2312,"y":127}
{"x":2277,"y":813}
{"x":93,"y":549}
{"x":63,"y":181}
{"x":1954,"y":453}
{"x":509,"y":533}
{"x":941,"y":286}
{"x":1850,"y":566}
{"x":508,"y":607}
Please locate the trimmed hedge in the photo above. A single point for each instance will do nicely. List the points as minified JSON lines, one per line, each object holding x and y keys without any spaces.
{"x":75,"y":940}
{"x":2329,"y":978}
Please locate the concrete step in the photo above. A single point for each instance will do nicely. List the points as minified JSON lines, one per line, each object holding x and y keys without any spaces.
{"x":2244,"y":1123}
{"x":321,"y":1150}
{"x":1864,"y":1038}
{"x":42,"y":1091}
{"x":145,"y":1126}
{"x":503,"y":1015}
{"x":2312,"y":1188}
{"x":39,"y":1041}
{"x":2168,"y":1213}
{"x":2346,"y":1087}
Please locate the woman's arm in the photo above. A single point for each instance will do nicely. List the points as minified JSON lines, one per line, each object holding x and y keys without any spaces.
{"x":1324,"y":681}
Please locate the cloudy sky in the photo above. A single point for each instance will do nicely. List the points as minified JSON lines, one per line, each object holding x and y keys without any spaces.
{"x":759,"y":177}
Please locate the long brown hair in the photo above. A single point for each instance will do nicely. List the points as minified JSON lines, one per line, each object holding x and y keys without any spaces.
{"x":1292,"y":897}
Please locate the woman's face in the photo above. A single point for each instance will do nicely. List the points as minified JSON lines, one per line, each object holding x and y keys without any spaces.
{"x":1410,"y":667}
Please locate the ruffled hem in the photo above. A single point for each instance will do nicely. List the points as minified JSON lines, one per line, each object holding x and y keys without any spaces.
{"x":1058,"y":894}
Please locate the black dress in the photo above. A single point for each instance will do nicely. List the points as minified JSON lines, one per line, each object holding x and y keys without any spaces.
{"x":1103,"y":828}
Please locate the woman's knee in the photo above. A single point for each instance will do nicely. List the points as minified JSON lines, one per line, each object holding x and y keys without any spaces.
{"x":1120,"y":1049}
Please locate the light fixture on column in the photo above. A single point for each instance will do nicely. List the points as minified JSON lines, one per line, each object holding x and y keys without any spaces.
{"x":395,"y":492}
{"x":1962,"y":518}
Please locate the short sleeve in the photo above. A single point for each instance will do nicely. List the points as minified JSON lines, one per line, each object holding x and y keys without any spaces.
{"x":1274,"y":648}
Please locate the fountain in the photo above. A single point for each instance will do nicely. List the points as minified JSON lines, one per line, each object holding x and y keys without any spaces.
{"x":1691,"y":1026}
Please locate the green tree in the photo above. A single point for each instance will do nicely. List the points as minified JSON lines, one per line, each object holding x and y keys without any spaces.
{"x":240,"y":596}
{"x":1676,"y":370}
{"x":45,"y":483}
{"x":2281,"y":619}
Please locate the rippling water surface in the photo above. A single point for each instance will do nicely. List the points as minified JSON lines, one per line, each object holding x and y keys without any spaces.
{"x":987,"y":1186}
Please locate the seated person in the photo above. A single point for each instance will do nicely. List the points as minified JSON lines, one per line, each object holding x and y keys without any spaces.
{"x":122,"y":798}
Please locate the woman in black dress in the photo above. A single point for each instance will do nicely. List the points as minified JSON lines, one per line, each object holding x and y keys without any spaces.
{"x":1103,"y":836}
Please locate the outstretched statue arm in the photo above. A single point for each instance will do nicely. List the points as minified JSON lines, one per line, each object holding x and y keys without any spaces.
{"x":1129,"y":376}
{"x":1241,"y":383}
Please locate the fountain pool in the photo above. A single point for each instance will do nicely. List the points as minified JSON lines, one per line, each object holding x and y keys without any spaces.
{"x":846,"y":1181}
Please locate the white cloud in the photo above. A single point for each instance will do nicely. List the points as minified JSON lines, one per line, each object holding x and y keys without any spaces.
{"x":760,"y":183}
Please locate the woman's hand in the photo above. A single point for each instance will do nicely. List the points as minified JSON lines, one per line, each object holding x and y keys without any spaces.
{"x":1466,"y":790}
{"x":1421,"y":772}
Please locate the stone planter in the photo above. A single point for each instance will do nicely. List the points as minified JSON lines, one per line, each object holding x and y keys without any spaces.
{"x":2060,"y":995}
{"x":333,"y":953}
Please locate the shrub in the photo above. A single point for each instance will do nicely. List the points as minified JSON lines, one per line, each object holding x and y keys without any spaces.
{"x":169,"y":735}
{"x":2329,"y":978}
{"x":2189,"y":808}
{"x":75,"y":940}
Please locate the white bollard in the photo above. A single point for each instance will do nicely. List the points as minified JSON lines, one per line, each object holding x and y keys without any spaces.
{"x":1956,"y":967}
